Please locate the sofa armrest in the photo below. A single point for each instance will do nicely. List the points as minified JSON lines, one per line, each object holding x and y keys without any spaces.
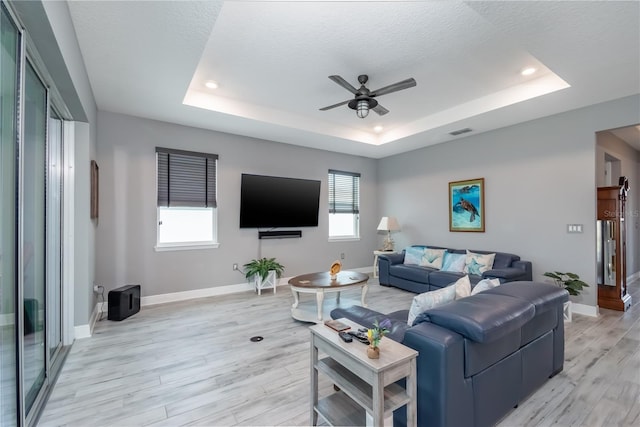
{"x":385,"y":262}
{"x":393,"y":257}
{"x":509,"y":274}
{"x":524,"y":266}
{"x":442,"y":388}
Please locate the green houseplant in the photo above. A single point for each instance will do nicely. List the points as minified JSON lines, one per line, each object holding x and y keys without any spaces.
{"x":261,"y":267}
{"x":570,"y":281}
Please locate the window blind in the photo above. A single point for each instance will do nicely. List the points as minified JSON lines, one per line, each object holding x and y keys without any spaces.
{"x":186,"y":178}
{"x":344,"y":192}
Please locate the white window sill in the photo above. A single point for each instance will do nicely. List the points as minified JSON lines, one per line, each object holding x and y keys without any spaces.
{"x":186,"y":247}
{"x":344,"y":239}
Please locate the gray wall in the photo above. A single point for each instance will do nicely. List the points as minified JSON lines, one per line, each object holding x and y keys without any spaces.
{"x":629,"y":158}
{"x":126,"y":234}
{"x":539,"y":177}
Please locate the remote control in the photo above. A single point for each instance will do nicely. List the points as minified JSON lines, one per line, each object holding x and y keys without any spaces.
{"x":363,"y":330}
{"x":345,"y":336}
{"x":360,"y":337}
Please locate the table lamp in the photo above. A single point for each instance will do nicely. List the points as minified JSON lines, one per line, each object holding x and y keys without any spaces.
{"x":388,"y":224}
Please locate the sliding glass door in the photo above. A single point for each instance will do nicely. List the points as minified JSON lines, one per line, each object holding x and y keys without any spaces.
{"x":31,"y":233}
{"x":54,"y":235}
{"x":33,"y":236}
{"x":9,"y":78}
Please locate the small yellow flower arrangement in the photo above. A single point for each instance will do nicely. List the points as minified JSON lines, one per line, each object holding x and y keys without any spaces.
{"x":374,"y":335}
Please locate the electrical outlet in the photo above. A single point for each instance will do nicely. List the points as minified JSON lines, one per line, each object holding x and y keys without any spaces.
{"x":342,"y":255}
{"x":96,"y":289}
{"x":235,"y":267}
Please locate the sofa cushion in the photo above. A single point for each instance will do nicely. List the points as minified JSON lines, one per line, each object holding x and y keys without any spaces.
{"x":440,"y":279}
{"x":478,"y":263}
{"x":413,"y":255}
{"x":543,"y":296}
{"x":453,"y":262}
{"x":501,"y":260}
{"x":367,"y":317}
{"x":481,"y":317}
{"x":463,"y":287}
{"x":429,"y":300}
{"x":411,"y":272}
{"x":485,"y":285}
{"x":432,"y":258}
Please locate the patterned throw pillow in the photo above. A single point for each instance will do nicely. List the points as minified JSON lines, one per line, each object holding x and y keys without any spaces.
{"x":453,"y":262}
{"x":432,"y":258}
{"x":463,"y":287}
{"x":485,"y":284}
{"x":413,"y":255}
{"x":478,"y":263}
{"x":429,"y":300}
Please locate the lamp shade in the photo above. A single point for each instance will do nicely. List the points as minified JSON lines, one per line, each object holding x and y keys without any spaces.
{"x":388,"y":223}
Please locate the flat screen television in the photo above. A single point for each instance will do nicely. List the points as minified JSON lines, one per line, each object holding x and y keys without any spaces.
{"x":271,"y":201}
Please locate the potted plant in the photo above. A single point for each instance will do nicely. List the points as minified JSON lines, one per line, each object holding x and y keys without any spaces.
{"x":263,"y":273}
{"x":570,"y":281}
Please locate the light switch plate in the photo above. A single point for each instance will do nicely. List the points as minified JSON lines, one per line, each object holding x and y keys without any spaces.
{"x":574,"y":228}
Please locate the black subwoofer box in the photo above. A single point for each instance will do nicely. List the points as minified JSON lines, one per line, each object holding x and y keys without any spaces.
{"x":124,"y":302}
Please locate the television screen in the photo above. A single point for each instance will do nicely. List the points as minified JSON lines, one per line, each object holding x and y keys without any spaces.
{"x":270,"y":201}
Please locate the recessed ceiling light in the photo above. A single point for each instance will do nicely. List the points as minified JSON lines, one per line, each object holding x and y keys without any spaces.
{"x":211,"y":84}
{"x":378,"y":129}
{"x":528,"y":71}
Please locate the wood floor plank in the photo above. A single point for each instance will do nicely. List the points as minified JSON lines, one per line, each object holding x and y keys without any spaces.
{"x":191,"y":363}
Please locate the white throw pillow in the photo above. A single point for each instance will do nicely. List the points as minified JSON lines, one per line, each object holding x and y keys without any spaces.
{"x":485,"y":284}
{"x":454,"y":262}
{"x":478,"y":263}
{"x":432,"y":258}
{"x":429,"y":300}
{"x":463,"y":287}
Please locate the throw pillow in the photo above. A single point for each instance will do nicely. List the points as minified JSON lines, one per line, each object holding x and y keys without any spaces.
{"x":463,"y":287}
{"x":432,"y":258}
{"x":453,"y":262}
{"x":429,"y":300}
{"x":478,"y":263}
{"x":484,"y":285}
{"x":413,"y":255}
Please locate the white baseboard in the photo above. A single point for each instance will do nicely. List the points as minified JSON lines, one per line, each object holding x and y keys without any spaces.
{"x":82,"y":331}
{"x":85,"y":331}
{"x":585,"y":310}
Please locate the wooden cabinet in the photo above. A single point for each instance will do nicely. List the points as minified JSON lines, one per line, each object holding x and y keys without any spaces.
{"x":612,"y":247}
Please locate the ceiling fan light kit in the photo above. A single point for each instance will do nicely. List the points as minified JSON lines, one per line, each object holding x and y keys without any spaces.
{"x":364,"y":98}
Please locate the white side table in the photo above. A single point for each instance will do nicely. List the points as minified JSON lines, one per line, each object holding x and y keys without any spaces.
{"x":368,"y":387}
{"x":375,"y":260}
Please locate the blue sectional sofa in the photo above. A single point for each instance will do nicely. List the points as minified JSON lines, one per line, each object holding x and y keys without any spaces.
{"x":479,"y":356}
{"x":415,"y":278}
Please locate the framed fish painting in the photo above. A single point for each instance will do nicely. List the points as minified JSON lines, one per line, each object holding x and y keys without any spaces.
{"x":466,"y":205}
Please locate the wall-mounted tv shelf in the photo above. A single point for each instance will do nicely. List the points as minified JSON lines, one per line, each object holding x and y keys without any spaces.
{"x":283,"y":234}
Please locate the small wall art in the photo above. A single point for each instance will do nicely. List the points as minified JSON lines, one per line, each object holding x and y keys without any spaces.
{"x":94,"y":189}
{"x":466,"y":205}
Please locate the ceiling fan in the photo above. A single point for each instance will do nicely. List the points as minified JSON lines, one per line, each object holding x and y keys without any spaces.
{"x":364,"y":98}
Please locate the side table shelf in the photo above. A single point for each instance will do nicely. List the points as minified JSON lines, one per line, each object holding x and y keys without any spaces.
{"x":367,"y":386}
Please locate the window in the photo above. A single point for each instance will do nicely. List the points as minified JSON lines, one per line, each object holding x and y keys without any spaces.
{"x":344,"y":205}
{"x":186,"y":198}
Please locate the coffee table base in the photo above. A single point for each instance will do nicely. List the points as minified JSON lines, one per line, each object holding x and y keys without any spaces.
{"x":306,"y":314}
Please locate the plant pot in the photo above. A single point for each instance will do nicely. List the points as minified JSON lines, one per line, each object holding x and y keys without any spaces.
{"x":566,"y":311}
{"x":373,"y":352}
{"x":267,"y":283}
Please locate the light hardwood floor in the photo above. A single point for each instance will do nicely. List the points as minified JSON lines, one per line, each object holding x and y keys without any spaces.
{"x":191,"y":363}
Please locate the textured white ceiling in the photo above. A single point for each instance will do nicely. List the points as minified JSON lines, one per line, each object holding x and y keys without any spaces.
{"x":272,"y":61}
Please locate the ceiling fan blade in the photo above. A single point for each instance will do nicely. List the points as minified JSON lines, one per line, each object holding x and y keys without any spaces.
{"x":380,"y":110}
{"x":405,"y":84}
{"x":345,"y":84}
{"x":335,"y":105}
